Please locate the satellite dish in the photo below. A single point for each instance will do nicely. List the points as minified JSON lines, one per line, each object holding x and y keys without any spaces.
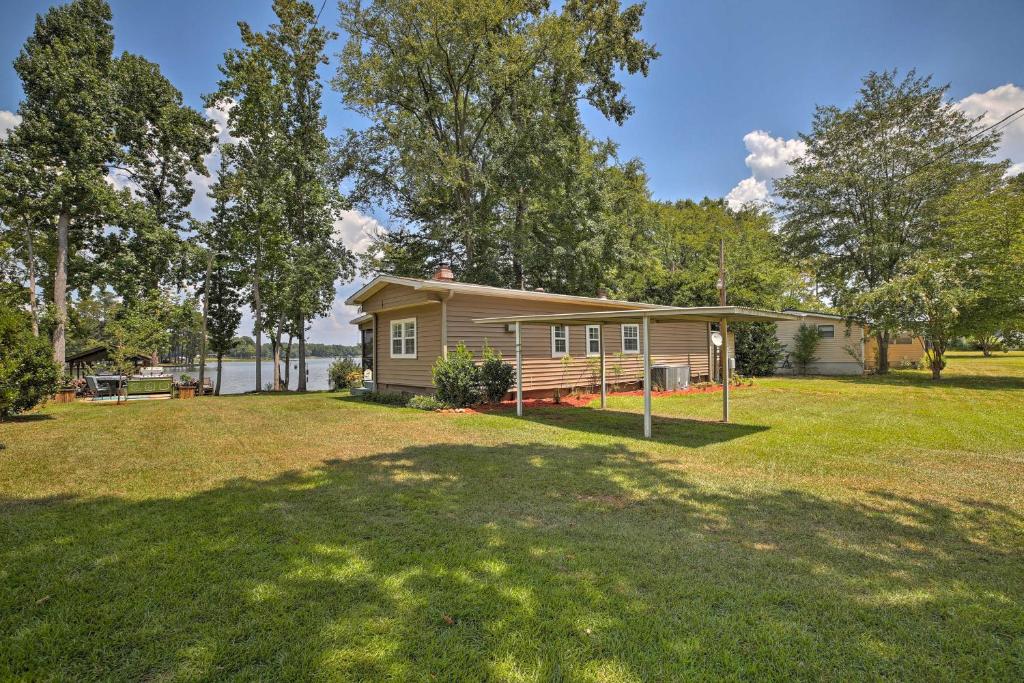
{"x":716,"y":338}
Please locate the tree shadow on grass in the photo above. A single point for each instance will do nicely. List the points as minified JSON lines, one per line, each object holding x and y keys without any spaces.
{"x":518,"y":561}
{"x":30,"y":417}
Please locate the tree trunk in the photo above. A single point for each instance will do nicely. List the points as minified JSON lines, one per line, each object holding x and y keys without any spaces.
{"x":986,"y":346}
{"x":883,"y":352}
{"x":258,"y":312}
{"x":276,"y":342}
{"x":302,"y":356}
{"x":517,"y":248}
{"x":288,"y":363}
{"x":60,"y":290}
{"x":32,"y":303}
{"x":220,"y":363}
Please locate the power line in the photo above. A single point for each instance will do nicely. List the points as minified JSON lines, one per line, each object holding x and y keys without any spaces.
{"x":317,"y":21}
{"x":1005,"y":120}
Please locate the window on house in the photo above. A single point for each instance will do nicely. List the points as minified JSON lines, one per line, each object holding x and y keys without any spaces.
{"x":631,"y":338}
{"x":403,"y":338}
{"x":903,"y":339}
{"x":559,"y":340}
{"x":827,"y":331}
{"x":593,"y":340}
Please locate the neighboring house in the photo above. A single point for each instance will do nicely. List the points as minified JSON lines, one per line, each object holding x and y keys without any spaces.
{"x":415,"y":321}
{"x":840,"y":347}
{"x":904,"y":350}
{"x":846,"y":346}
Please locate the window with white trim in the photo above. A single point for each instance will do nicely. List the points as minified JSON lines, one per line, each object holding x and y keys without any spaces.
{"x":631,"y":338}
{"x":827,"y":331}
{"x":593,"y":340}
{"x":403,"y":338}
{"x":559,"y":341}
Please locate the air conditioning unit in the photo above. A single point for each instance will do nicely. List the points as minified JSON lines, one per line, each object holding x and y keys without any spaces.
{"x":670,"y":377}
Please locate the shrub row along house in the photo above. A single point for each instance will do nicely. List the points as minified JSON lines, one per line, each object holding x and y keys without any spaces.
{"x":407,"y":323}
{"x":845,"y":346}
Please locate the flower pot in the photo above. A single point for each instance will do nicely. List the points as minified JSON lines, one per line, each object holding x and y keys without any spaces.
{"x":186,"y":392}
{"x":66,"y":395}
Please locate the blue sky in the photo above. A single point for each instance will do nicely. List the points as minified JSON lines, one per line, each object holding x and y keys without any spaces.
{"x":737,"y":81}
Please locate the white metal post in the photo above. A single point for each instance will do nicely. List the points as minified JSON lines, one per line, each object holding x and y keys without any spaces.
{"x":647,"y":377}
{"x":604,"y":377}
{"x":725,"y":369}
{"x":519,"y":369}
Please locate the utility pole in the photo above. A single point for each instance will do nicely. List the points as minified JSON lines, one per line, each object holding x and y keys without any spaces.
{"x":206,"y":315}
{"x":724,"y":327}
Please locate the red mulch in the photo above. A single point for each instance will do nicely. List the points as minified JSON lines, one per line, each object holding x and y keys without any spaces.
{"x":582,"y":400}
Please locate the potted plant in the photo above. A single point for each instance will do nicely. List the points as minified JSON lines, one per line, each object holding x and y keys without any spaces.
{"x":186,"y":386}
{"x":66,"y":392}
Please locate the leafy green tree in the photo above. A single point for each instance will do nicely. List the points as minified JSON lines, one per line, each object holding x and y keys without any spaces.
{"x":65,"y":140}
{"x":805,"y":347}
{"x":862,"y":200}
{"x":475,"y":136}
{"x":141,"y":329}
{"x":28,"y":373}
{"x":758,"y":350}
{"x":282,"y":180}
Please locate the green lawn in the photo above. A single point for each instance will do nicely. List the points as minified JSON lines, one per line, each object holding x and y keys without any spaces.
{"x":838,"y":529}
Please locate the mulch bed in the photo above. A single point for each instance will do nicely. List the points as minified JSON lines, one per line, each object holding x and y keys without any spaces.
{"x":583,"y":400}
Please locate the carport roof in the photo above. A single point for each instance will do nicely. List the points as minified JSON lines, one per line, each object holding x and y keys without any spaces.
{"x":662,"y":314}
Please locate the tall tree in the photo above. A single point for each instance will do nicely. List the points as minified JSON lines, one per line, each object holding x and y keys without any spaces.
{"x":66,"y":135}
{"x":474,"y":111}
{"x":283,"y":180}
{"x":862,"y":201}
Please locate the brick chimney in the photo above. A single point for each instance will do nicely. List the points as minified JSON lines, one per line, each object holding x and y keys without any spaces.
{"x":602,"y":293}
{"x":444,"y":273}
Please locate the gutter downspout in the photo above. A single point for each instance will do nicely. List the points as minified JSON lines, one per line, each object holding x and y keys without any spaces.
{"x":444,"y":323}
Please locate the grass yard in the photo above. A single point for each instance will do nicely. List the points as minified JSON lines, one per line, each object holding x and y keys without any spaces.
{"x":837,"y":529}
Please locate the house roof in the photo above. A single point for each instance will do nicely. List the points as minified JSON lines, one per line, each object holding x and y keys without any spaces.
{"x":655,"y":314}
{"x":818,"y":314}
{"x":100,"y":350}
{"x":382,"y":281}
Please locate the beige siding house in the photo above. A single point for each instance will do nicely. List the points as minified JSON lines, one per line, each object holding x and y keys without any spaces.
{"x":840,"y":347}
{"x":407,"y":323}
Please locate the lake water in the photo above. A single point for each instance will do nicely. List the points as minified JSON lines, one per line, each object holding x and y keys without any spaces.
{"x":239,"y":377}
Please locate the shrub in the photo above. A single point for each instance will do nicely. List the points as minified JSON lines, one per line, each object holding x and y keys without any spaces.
{"x":28,"y":374}
{"x":388,"y":398}
{"x":758,"y":351}
{"x":805,"y":346}
{"x":457,"y":378}
{"x":425,"y":402}
{"x":342,"y":374}
{"x":496,"y":376}
{"x":185,"y":380}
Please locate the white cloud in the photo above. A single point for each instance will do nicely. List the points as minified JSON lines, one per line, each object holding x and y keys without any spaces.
{"x":993,"y":106}
{"x":769,"y":158}
{"x":357,"y":230}
{"x":202,"y":205}
{"x":8,"y":120}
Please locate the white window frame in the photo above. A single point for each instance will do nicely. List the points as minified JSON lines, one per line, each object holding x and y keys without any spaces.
{"x":821,"y":332}
{"x":591,"y":353}
{"x":400,"y":325}
{"x":559,"y":354}
{"x":622,"y":330}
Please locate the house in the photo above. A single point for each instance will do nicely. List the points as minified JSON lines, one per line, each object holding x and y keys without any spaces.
{"x":80,"y":363}
{"x":408,"y":323}
{"x":845,"y":346}
{"x":840,"y":344}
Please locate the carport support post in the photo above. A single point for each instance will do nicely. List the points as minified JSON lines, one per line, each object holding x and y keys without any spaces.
{"x":604,"y":378}
{"x":519,"y":369}
{"x":647,"y":377}
{"x":724,"y":325}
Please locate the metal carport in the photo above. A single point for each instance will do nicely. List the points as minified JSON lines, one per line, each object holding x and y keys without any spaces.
{"x":722,"y":315}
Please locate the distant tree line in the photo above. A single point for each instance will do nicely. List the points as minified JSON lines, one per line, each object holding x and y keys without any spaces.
{"x":245,"y":347}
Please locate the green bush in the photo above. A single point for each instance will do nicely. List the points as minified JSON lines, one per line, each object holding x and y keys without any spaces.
{"x":496,"y":376}
{"x":388,"y":398}
{"x":758,"y":351}
{"x":457,"y":378}
{"x":28,"y":374}
{"x":805,"y":346}
{"x":342,"y":374}
{"x":425,"y":402}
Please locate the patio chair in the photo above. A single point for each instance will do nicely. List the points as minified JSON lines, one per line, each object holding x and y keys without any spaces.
{"x":96,"y":388}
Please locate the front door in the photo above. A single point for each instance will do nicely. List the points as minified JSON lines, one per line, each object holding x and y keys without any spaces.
{"x":367,"y":342}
